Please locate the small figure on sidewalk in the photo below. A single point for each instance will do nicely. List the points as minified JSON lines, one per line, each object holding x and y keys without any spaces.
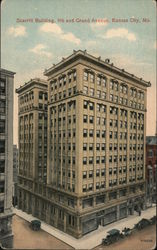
{"x":139,"y":212}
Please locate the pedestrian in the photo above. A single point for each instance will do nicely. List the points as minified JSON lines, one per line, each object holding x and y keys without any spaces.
{"x":139,"y":212}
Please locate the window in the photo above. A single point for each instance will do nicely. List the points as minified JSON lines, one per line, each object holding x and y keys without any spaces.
{"x":2,"y":106}
{"x":91,"y":132}
{"x":97,"y":185}
{"x":103,"y":120}
{"x":90,"y":173}
{"x":85,"y":118}
{"x":103,"y":133}
{"x":84,"y":146}
{"x":103,"y":172}
{"x":2,"y":146}
{"x":90,"y":187}
{"x":91,"y":92}
{"x":85,"y":104}
{"x":116,"y":86}
{"x":111,"y":98}
{"x":104,"y":82}
{"x":90,"y":146}
{"x":85,"y":132}
{"x":85,"y":90}
{"x":98,"y":93}
{"x":84,"y":174}
{"x":84,"y":160}
{"x":98,"y":80}
{"x":98,"y":133}
{"x":102,"y":184}
{"x":92,"y":78}
{"x":40,"y":95}
{"x":116,"y":99}
{"x":98,"y":146}
{"x":91,"y":106}
{"x":2,"y":186}
{"x":74,"y":76}
{"x":98,"y":107}
{"x":70,"y":76}
{"x":98,"y":120}
{"x":91,"y":119}
{"x":97,"y":172}
{"x":2,"y":87}
{"x":103,"y":159}
{"x":111,"y":84}
{"x":2,"y":126}
{"x":84,"y":188}
{"x":103,"y":95}
{"x":85,"y":76}
{"x":91,"y":160}
{"x":103,"y":146}
{"x":98,"y":160}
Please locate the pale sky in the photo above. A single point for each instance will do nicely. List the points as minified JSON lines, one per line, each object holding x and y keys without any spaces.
{"x":30,"y":47}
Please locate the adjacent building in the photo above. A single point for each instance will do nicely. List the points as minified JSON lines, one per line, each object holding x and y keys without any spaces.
{"x":151,"y":167}
{"x":15,"y":173}
{"x":33,"y":98}
{"x":95,"y":146}
{"x":6,"y":156}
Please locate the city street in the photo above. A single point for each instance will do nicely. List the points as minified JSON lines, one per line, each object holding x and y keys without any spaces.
{"x":25,"y":238}
{"x":139,"y":240}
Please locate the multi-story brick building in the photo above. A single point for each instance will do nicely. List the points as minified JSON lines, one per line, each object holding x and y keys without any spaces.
{"x":32,"y":139}
{"x":151,"y":167}
{"x":6,"y":156}
{"x":96,"y":137}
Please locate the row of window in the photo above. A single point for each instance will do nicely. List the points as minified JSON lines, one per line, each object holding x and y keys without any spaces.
{"x":64,"y":94}
{"x":62,"y":108}
{"x":114,"y":85}
{"x":115,"y":158}
{"x":62,"y":80}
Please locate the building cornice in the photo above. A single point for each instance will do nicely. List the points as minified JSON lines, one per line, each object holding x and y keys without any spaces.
{"x":97,"y":61}
{"x":6,"y":72}
{"x":36,"y":81}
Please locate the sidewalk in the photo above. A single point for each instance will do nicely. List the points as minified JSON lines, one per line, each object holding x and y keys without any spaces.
{"x":94,"y":238}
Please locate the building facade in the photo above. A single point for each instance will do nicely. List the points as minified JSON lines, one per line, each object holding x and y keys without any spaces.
{"x":15,"y":173}
{"x":6,"y":156}
{"x":95,"y":153}
{"x":151,"y":167}
{"x":32,"y":140}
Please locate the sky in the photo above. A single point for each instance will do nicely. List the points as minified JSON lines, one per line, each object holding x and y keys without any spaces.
{"x":37,"y":33}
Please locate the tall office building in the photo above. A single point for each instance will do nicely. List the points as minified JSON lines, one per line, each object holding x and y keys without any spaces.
{"x":32,"y":139}
{"x":96,"y":137}
{"x":6,"y":156}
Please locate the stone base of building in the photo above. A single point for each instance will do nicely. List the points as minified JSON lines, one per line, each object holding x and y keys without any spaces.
{"x":92,"y":213}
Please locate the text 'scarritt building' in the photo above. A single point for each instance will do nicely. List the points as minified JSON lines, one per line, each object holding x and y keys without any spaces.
{"x":95,"y":145}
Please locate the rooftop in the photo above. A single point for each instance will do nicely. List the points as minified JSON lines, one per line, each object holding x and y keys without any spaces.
{"x":106,"y":64}
{"x":7,"y":72}
{"x":29,"y":83}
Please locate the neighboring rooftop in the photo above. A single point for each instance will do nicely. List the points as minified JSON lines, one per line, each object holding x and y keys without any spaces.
{"x":106,"y":64}
{"x":31,"y":82}
{"x":7,"y":72}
